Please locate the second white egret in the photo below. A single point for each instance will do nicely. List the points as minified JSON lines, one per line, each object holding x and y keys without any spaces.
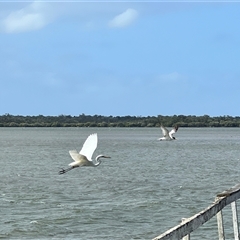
{"x":168,"y":135}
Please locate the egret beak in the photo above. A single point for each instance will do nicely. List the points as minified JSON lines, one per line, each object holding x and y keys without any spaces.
{"x":106,"y":157}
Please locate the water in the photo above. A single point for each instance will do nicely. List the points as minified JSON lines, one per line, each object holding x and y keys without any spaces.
{"x":143,"y":190}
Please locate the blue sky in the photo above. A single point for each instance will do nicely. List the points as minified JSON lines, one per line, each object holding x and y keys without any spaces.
{"x":119,"y":58}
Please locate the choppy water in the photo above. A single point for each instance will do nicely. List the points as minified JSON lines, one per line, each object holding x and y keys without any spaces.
{"x":143,"y":190}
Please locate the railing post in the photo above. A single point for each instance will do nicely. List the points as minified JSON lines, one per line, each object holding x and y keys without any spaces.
{"x":220,"y":226}
{"x":187,"y":237}
{"x":235,"y":220}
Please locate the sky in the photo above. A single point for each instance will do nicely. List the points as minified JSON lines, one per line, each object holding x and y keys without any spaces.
{"x":119,"y":58}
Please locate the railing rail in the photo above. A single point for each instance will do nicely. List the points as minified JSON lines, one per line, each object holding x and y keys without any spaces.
{"x":183,"y":230}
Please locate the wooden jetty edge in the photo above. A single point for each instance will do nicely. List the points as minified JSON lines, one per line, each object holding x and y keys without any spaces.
{"x":188,"y":225}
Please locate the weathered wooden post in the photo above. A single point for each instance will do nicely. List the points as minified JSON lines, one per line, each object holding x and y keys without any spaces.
{"x":187,"y":237}
{"x":235,"y":220}
{"x":221,"y":235}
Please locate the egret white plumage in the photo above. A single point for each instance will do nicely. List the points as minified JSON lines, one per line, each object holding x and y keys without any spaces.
{"x":168,"y":135}
{"x":84,"y":157}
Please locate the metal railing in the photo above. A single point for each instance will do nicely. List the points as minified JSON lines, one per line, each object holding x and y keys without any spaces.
{"x":188,"y":225}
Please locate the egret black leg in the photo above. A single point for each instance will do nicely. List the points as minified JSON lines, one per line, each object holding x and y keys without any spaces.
{"x":65,"y":170}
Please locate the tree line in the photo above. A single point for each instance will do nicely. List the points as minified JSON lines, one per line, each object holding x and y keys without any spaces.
{"x":8,"y":120}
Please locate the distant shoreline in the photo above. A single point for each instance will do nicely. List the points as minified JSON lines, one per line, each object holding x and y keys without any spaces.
{"x":83,"y":120}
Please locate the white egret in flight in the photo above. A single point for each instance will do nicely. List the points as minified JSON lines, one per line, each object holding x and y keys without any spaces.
{"x":84,"y":157}
{"x":168,"y":135}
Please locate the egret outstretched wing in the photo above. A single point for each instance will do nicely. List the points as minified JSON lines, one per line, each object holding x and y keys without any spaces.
{"x":174,"y":130}
{"x":75,"y":155}
{"x":89,"y":146}
{"x":164,"y":131}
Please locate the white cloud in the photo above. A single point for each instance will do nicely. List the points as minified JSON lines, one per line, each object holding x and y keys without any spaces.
{"x":36,"y":15}
{"x":124,"y":19}
{"x":31,"y":17}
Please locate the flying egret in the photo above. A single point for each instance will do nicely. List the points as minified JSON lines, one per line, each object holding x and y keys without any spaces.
{"x":168,"y":135}
{"x":84,"y":157}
